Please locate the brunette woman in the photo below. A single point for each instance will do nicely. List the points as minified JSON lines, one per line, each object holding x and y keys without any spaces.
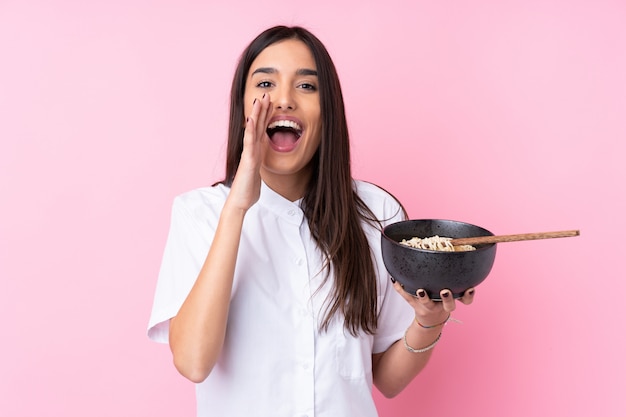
{"x":272,"y":293}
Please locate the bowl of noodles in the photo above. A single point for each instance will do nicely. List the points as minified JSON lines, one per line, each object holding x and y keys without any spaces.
{"x":419,"y":255}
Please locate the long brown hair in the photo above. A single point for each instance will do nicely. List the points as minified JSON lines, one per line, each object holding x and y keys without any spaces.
{"x":333,"y":210}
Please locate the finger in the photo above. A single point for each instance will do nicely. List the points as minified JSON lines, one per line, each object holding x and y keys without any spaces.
{"x":423,"y":299}
{"x":468,"y":296}
{"x":251,"y":121}
{"x":400,"y":290}
{"x":269,"y":107}
{"x":448,"y":300}
{"x":248,"y":136}
{"x":256,"y":107}
{"x":422,"y":296}
{"x":264,"y":115}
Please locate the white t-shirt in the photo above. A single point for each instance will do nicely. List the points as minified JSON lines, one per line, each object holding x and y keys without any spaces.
{"x":275,"y":361}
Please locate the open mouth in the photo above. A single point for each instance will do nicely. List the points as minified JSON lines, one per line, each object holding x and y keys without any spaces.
{"x":284,"y":134}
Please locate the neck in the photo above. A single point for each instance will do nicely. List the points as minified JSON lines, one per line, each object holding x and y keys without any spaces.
{"x":292,"y":187}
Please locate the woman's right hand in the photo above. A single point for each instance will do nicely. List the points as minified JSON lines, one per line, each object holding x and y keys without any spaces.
{"x":197,"y":332}
{"x":246,"y":187}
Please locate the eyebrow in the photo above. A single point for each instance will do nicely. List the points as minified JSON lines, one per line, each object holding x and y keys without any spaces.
{"x":270,"y":70}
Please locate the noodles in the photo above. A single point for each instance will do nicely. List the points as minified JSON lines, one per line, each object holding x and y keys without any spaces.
{"x":436,"y":243}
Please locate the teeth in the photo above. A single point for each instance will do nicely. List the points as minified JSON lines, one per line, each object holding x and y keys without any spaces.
{"x":285,"y":123}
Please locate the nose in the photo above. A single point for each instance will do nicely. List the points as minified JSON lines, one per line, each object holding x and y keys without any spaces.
{"x":283,"y":99}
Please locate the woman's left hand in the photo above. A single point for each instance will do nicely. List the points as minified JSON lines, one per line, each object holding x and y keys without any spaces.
{"x":394,"y":369}
{"x":429,"y":312}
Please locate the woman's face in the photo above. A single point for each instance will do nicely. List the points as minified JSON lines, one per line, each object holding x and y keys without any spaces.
{"x":286,"y":71}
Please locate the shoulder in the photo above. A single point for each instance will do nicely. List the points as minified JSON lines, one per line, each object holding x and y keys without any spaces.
{"x":380,"y":201}
{"x":202,"y":202}
{"x":370,"y":190}
{"x":204,"y":195}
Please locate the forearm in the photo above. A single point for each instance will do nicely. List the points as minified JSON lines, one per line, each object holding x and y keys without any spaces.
{"x":198,"y":330}
{"x":394,"y":369}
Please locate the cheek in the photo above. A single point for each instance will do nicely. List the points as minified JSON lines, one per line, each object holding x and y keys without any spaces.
{"x":315,"y":139}
{"x":318,"y":130}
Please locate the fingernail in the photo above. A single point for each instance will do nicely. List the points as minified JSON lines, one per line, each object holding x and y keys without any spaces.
{"x":247,"y":119}
{"x":254,"y":102}
{"x":446,"y":294}
{"x":263,"y":96}
{"x":421,"y":293}
{"x":392,"y":279}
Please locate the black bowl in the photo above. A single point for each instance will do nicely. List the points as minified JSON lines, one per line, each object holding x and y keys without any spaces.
{"x":433,"y":270}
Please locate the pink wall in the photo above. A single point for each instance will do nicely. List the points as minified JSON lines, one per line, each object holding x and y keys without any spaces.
{"x":508,"y":114}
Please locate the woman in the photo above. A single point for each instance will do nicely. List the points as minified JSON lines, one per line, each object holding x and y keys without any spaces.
{"x":272,"y":292}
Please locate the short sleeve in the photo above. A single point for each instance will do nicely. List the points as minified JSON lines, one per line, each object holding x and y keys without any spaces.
{"x":395,"y":314}
{"x":187,"y":245}
{"x":393,"y":319}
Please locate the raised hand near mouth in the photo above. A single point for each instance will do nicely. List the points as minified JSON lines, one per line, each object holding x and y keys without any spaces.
{"x":197,"y":332}
{"x":246,"y":187}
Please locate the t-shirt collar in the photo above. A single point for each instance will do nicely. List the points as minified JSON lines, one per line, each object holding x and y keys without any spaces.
{"x":289,"y":210}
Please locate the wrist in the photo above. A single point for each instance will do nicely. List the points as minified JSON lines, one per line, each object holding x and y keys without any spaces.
{"x":434,"y":325}
{"x":233,"y":210}
{"x":419,"y":341}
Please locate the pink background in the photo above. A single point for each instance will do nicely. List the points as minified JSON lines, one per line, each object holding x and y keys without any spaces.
{"x":507,"y":114}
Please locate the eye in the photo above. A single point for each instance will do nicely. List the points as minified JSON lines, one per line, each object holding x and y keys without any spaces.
{"x":307,"y":86}
{"x":264,"y":84}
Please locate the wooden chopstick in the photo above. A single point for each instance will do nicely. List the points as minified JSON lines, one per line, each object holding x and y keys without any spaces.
{"x":482,"y":240}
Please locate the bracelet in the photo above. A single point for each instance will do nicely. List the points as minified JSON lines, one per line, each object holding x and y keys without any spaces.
{"x":422,"y":350}
{"x":434,"y":325}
